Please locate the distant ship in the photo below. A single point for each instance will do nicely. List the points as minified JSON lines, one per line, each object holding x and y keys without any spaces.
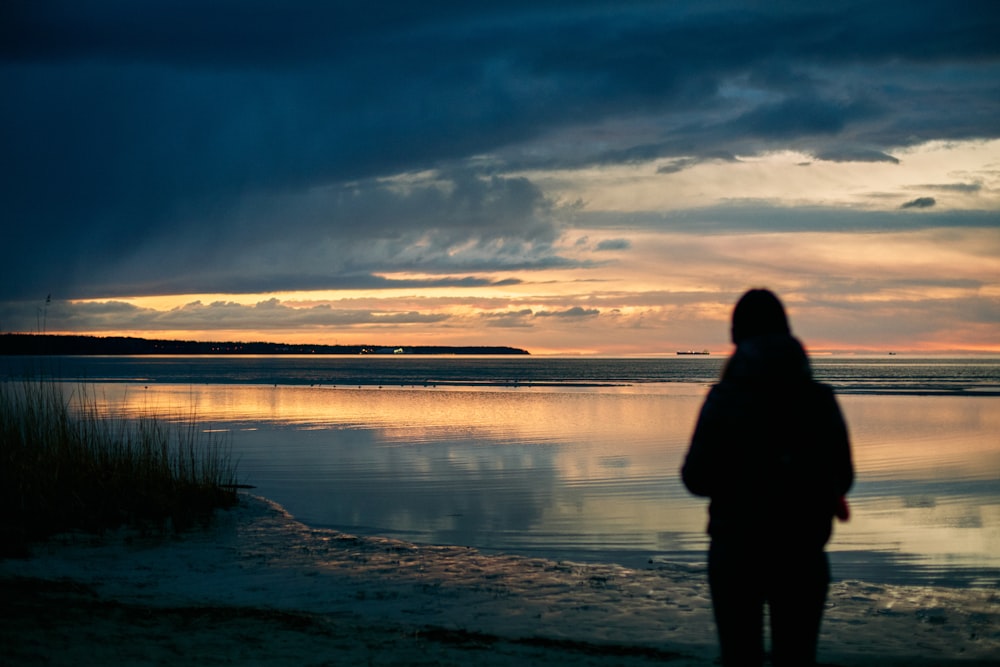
{"x":693,"y":352}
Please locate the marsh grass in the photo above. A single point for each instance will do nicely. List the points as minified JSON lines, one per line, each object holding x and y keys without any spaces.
{"x":68,"y":464}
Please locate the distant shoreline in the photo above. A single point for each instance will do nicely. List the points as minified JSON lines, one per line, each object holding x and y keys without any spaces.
{"x":56,"y":344}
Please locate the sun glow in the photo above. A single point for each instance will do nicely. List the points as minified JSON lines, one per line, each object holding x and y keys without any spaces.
{"x":656,"y":281}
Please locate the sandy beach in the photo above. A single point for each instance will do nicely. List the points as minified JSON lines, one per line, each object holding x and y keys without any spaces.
{"x":259,"y":588}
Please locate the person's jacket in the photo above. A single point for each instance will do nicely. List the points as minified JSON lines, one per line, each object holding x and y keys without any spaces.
{"x":770,"y":450}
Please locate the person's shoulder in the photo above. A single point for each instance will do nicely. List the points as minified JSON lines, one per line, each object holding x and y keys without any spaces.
{"x":728,"y":394}
{"x":821,"y":395}
{"x":822,"y":388}
{"x":725,"y":387}
{"x":718,"y":393}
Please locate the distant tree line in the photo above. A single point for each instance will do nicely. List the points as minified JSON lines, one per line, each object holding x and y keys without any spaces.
{"x":52,"y":344}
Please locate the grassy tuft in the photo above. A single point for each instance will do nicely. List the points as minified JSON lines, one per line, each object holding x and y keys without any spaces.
{"x":67,"y":465}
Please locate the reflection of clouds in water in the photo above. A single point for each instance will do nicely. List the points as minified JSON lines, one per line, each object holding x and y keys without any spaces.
{"x":919,"y":501}
{"x":929,"y":437}
{"x":430,"y":492}
{"x":463,"y":489}
{"x":614,"y":461}
{"x":948,"y":536}
{"x":680,"y":541}
{"x":944,"y":513}
{"x":594,"y":473}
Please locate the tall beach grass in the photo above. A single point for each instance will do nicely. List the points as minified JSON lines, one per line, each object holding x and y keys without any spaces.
{"x":67,"y":464}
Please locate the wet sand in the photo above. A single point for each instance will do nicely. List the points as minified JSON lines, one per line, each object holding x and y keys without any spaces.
{"x":260,"y":588}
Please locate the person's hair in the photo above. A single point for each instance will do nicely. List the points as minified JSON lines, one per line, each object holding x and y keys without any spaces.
{"x":758,"y":313}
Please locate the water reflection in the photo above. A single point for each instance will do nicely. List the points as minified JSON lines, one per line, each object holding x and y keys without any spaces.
{"x":592,"y":472}
{"x":928,"y":491}
{"x":942,"y":437}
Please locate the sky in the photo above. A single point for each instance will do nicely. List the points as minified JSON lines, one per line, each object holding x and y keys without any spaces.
{"x":582,"y":177}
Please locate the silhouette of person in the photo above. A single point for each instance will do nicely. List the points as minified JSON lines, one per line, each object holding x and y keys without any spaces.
{"x":771,"y":452}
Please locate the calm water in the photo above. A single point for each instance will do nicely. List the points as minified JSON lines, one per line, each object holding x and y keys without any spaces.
{"x":575,"y":458}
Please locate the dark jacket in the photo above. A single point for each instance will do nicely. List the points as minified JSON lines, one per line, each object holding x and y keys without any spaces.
{"x":770,"y":450}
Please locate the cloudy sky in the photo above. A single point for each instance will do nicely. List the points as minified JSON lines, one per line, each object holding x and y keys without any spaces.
{"x":576,"y":177}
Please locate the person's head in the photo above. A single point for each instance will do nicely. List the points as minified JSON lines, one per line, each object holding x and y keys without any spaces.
{"x":758,"y":313}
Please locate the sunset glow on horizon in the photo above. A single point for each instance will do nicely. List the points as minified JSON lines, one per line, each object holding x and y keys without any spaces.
{"x":600,"y":179}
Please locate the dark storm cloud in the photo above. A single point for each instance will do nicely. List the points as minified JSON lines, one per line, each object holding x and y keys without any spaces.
{"x":184,"y":145}
{"x":920,"y":202}
{"x":801,"y":117}
{"x":680,"y":164}
{"x":324,"y":238}
{"x":853,"y":154}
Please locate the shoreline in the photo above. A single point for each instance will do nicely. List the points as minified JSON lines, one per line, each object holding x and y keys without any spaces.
{"x":301,"y":593}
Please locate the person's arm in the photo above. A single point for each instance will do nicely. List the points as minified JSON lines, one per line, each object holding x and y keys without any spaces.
{"x":840,"y":460}
{"x":698,"y":469}
{"x":840,"y":443}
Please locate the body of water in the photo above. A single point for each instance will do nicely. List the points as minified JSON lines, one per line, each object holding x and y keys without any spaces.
{"x":573,"y":458}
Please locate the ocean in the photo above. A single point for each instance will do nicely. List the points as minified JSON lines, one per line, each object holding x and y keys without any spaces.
{"x":572,"y":458}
